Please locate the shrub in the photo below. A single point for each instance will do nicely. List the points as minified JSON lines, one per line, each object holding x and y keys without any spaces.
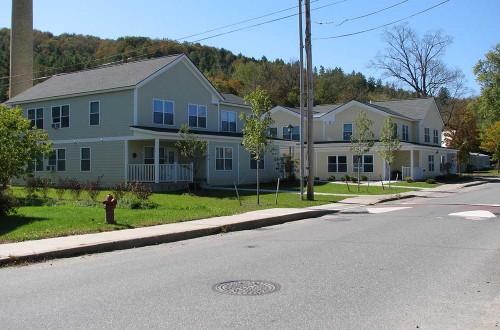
{"x":61,"y":187}
{"x":354,"y":179}
{"x":344,"y":177}
{"x":140,"y":190}
{"x":331,"y":178}
{"x":430,"y":181}
{"x":364,"y":178}
{"x":75,"y":188}
{"x":8,"y":202}
{"x":120,"y":190}
{"x":43,"y":186}
{"x":31,"y":186}
{"x":92,"y":188}
{"x":409,"y":179}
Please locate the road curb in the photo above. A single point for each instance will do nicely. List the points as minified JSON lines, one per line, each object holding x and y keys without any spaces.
{"x":155,"y":239}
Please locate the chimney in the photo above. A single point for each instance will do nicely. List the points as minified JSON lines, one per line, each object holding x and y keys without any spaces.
{"x":21,"y":47}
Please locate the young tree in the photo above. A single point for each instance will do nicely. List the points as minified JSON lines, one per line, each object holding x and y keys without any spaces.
{"x":256,"y":130}
{"x":490,"y":142}
{"x":390,"y":144}
{"x":192,"y":148}
{"x":361,"y":139}
{"x":19,"y":145}
{"x":416,"y":61}
{"x":487,"y":105}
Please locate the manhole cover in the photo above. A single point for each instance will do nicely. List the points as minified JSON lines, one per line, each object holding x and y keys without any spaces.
{"x":246,"y":288}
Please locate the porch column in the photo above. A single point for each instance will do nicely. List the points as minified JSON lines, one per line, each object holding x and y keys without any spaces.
{"x":411,"y":163}
{"x":157,"y":160}
{"x":126,"y":160}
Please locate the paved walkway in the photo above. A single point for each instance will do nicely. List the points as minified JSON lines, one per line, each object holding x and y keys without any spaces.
{"x":131,"y":238}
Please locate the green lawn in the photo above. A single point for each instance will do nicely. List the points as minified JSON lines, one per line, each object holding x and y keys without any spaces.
{"x":416,"y":184}
{"x":69,"y":217}
{"x":492,"y":172}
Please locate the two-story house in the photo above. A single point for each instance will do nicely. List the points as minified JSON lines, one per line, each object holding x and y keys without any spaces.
{"x":417,"y":124}
{"x":121,"y":122}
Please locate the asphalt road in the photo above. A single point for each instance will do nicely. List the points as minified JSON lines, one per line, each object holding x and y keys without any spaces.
{"x":399,"y":265}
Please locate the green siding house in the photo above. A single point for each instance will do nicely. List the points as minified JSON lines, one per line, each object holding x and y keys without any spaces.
{"x":121,"y":122}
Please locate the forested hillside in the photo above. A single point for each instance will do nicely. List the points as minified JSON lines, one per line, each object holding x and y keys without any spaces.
{"x":228,"y":72}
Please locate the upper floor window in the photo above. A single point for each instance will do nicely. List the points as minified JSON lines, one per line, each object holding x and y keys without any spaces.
{"x":223,"y":159}
{"x":431,"y":163}
{"x":347,"y":131}
{"x":362,"y":163}
{"x":273,"y":132}
{"x":60,"y":116}
{"x":57,"y":160}
{"x":395,"y":131}
{"x":36,"y":117}
{"x":85,"y":159}
{"x":94,"y":110}
{"x":405,"y":133}
{"x":163,"y":112}
{"x":337,"y":164}
{"x":427,"y":135}
{"x":228,"y":121}
{"x":436,"y":137}
{"x":294,"y":134}
{"x":197,"y":116}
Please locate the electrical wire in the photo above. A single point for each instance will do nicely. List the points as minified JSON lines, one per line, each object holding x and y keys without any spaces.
{"x":381,"y":26}
{"x":362,"y":16}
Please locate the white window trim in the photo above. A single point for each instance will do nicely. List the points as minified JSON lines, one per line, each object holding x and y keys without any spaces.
{"x":36,"y":118}
{"x":34,"y":164}
{"x":69,"y":115}
{"x":163,"y":111}
{"x":337,"y":163}
{"x":153,"y":147}
{"x":287,"y":138}
{"x":429,"y":163}
{"x":343,"y":131}
{"x":435,"y":136}
{"x":198,"y":116}
{"x":362,"y":165}
{"x":90,"y":159}
{"x":427,"y":136}
{"x":98,"y":113}
{"x":57,"y":159}
{"x":235,"y":121}
{"x":407,"y":131}
{"x":224,"y":158}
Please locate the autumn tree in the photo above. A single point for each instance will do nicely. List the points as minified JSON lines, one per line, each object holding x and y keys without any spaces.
{"x":490,"y":142}
{"x":487,"y":71}
{"x":361,"y":139}
{"x":256,"y":130}
{"x":414,"y":61}
{"x":389,"y":143}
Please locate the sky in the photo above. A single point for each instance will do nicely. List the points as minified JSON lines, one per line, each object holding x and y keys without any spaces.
{"x":473,"y":25}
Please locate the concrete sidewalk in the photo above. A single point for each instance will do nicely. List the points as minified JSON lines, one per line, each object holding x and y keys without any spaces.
{"x":132,"y":238}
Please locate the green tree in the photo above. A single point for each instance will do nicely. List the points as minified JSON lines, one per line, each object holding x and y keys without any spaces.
{"x":389,"y":143}
{"x":490,"y":142}
{"x":256,"y":131}
{"x":192,"y":148}
{"x":19,"y":145}
{"x":487,"y":71}
{"x":361,"y":139}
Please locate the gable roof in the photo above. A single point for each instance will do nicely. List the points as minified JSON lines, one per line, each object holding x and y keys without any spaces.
{"x":234,"y":99}
{"x":120,"y":76}
{"x":412,"y":108}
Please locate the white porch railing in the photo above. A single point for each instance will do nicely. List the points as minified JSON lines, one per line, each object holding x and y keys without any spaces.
{"x":417,"y":173}
{"x":167,"y":173}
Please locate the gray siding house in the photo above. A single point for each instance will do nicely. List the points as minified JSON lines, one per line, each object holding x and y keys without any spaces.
{"x":121,"y":122}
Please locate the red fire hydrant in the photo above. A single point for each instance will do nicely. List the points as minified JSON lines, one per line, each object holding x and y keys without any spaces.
{"x":109,"y":205}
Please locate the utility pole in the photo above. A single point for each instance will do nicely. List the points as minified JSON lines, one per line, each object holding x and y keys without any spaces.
{"x":301,"y":64}
{"x":310,"y":141}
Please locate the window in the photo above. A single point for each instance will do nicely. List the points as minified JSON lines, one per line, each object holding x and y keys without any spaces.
{"x":293,"y":135}
{"x":431,"y":163}
{"x":273,"y":132}
{"x":94,"y":109}
{"x":405,"y":133}
{"x":441,"y":164}
{"x":395,"y":131}
{"x":427,"y":135}
{"x":223,"y":159}
{"x":149,"y":155}
{"x":36,"y":117}
{"x":60,"y":116}
{"x":197,"y":116}
{"x":337,"y":164}
{"x":253,"y":162}
{"x":58,"y":159}
{"x":347,"y":132}
{"x":228,"y":121}
{"x":436,"y":137}
{"x":163,"y":112}
{"x":36,"y":164}
{"x":85,"y":159}
{"x":363,"y":163}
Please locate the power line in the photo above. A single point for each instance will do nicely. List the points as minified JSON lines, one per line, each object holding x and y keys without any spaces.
{"x":362,"y":16}
{"x":381,"y":26}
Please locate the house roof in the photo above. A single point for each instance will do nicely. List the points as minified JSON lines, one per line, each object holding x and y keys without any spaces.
{"x":234,"y":99}
{"x":93,"y":80}
{"x":412,"y":108}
